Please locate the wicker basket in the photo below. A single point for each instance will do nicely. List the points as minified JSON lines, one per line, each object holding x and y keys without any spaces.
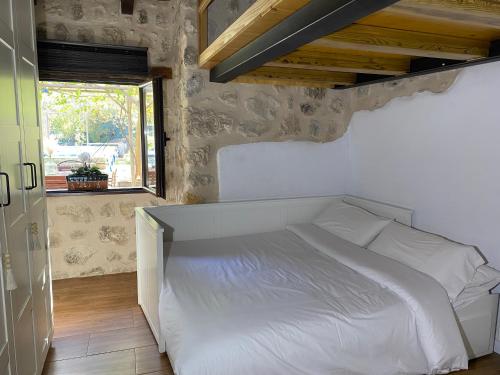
{"x":87,"y":183}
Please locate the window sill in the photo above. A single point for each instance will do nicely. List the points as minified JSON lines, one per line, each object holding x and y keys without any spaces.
{"x":65,"y":193}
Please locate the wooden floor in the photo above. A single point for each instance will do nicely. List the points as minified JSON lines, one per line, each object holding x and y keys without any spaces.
{"x":100,"y":330}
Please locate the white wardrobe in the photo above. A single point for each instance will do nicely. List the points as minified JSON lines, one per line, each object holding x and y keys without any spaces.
{"x":26,"y":305}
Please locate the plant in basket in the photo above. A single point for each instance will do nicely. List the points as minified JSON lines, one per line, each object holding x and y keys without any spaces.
{"x":87,"y":178}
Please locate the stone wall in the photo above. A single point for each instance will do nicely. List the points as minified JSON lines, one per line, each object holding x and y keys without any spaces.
{"x":202,"y":116}
{"x":222,"y":13}
{"x":93,"y":235}
{"x":216,"y":115}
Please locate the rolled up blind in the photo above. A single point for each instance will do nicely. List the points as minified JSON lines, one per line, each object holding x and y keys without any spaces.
{"x":85,"y":62}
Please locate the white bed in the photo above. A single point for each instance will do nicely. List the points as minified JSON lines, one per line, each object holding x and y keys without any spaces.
{"x":194,"y":340}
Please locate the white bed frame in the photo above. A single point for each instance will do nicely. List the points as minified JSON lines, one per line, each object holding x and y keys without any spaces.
{"x":157,"y":227}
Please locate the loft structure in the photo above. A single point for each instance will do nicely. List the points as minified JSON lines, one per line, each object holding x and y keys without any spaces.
{"x":345,"y":43}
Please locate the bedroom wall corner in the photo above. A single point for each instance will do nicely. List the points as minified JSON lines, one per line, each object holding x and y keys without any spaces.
{"x":300,"y":169}
{"x":439,"y":155}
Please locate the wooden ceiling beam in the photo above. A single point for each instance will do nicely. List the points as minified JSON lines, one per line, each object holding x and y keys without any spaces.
{"x":314,"y":20}
{"x":342,"y":61}
{"x":401,"y":42}
{"x":260,"y":17}
{"x":203,"y":4}
{"x":409,"y":22}
{"x":485,"y":13}
{"x":127,"y":6}
{"x":297,"y":77}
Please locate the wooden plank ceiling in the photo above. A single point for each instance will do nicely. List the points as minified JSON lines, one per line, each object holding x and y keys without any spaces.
{"x":398,"y":40}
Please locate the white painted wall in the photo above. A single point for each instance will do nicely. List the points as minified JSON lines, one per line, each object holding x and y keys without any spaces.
{"x":282,"y":170}
{"x":438,"y":154}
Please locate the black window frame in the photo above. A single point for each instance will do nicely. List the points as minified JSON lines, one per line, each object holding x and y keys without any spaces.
{"x":109,"y":64}
{"x":160,"y":139}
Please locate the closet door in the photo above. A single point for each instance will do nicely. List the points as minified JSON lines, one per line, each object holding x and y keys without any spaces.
{"x":33,"y":173}
{"x":18,"y":312}
{"x":4,"y":342}
{"x":36,"y":203}
{"x":8,"y":124}
{"x":14,"y":21}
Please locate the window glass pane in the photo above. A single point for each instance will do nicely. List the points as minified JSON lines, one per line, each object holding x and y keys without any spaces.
{"x":97,"y":124}
{"x":149,"y":135}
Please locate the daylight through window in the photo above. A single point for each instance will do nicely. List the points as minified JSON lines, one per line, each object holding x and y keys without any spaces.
{"x":95,"y":124}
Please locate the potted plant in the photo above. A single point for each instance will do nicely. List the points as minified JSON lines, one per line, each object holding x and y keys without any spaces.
{"x":87,"y":178}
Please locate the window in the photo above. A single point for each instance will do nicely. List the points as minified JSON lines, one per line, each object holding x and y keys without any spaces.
{"x":102,"y":105}
{"x":110,"y":126}
{"x":153,"y":137}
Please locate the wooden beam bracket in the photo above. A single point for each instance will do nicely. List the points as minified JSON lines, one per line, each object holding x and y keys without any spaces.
{"x":427,"y":63}
{"x":160,"y":71}
{"x":495,"y":48}
{"x":127,"y":6}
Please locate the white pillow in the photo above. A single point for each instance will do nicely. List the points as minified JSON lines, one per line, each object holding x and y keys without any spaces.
{"x":485,"y":279}
{"x":450,"y":263}
{"x":351,"y":223}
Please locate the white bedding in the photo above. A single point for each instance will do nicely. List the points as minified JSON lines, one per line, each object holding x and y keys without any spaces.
{"x":302,"y":301}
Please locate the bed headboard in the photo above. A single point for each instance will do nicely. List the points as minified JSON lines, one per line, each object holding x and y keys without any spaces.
{"x":190,"y":222}
{"x":400,"y":214}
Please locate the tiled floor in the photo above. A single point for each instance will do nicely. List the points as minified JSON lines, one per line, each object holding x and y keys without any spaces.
{"x":100,"y":329}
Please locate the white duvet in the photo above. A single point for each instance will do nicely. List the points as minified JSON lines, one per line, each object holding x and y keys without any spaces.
{"x":302,"y":301}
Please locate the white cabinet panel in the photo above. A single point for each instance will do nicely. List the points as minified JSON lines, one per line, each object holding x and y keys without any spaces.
{"x":25,"y":344}
{"x":5,"y":14}
{"x":26,"y":321}
{"x":28,"y":93}
{"x":24,"y":24}
{"x":8,"y":85}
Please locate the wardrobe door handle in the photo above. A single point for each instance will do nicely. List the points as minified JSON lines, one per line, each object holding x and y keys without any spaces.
{"x":34,"y":182}
{"x":8,"y":189}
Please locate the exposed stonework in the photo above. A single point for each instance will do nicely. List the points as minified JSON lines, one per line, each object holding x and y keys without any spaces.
{"x":108,"y":210}
{"x":78,"y":255}
{"x":113,"y":256}
{"x":93,"y":247}
{"x":79,"y":213}
{"x":127,"y":209}
{"x":199,"y":157}
{"x":375,"y":96}
{"x":77,"y":234}
{"x":253,"y":128}
{"x":116,"y":234}
{"x":207,"y":123}
{"x":54,"y":239}
{"x":202,"y":117}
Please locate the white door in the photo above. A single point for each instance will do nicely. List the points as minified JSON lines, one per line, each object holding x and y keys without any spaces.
{"x":27,"y":309}
{"x":7,"y":116}
{"x":36,"y":203}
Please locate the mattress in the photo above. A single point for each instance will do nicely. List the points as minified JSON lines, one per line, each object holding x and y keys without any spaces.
{"x":302,"y":301}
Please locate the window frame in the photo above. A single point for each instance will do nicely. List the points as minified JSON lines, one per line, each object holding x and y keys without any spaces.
{"x":78,"y":69}
{"x":160,"y":138}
